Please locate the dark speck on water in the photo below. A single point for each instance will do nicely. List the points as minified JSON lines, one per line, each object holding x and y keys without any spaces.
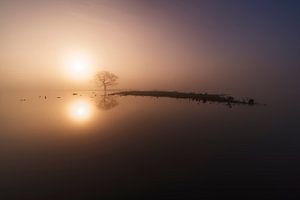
{"x":251,"y":102}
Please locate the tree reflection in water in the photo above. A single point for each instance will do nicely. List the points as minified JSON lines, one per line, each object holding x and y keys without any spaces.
{"x":106,"y":102}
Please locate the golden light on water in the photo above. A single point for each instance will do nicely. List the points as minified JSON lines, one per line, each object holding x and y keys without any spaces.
{"x":80,"y":111}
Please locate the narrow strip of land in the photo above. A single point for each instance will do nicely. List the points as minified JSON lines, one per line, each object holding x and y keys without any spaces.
{"x":199,"y":97}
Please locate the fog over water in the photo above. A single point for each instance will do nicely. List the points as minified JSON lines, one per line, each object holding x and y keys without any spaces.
{"x":232,"y":47}
{"x":63,"y":137}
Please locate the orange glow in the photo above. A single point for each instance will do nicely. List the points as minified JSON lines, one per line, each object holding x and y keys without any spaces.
{"x":79,"y":66}
{"x":80,"y":111}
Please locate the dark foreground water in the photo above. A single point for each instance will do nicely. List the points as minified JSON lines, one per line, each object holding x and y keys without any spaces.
{"x":91,"y":147}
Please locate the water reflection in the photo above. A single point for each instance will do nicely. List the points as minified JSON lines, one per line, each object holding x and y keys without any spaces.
{"x":39,"y":140}
{"x":106,"y":102}
{"x":80,"y":110}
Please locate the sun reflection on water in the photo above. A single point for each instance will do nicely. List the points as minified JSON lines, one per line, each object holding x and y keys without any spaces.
{"x":80,"y":111}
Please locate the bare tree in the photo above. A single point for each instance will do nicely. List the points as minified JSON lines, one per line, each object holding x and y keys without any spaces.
{"x":106,"y":79}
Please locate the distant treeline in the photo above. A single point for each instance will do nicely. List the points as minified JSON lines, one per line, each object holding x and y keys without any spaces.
{"x":199,"y":97}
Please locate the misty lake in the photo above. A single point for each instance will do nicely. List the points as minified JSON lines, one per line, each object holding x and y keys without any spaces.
{"x":56,"y":145}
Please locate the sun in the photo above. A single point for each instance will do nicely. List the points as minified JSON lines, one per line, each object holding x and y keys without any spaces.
{"x":79,"y":67}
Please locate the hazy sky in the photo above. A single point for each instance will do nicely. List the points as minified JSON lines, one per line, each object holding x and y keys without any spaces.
{"x":230,"y":46}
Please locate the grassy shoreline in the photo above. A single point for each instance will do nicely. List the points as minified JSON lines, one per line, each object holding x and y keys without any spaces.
{"x":198,"y":97}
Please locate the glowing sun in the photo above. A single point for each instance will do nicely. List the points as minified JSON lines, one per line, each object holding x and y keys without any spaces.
{"x":79,"y":67}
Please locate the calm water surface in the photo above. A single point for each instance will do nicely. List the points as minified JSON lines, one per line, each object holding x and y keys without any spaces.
{"x":90,"y":146}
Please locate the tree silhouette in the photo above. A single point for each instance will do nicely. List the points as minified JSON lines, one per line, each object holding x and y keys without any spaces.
{"x":106,"y":79}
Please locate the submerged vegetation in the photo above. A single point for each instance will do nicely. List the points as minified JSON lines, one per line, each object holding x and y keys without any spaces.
{"x":199,"y":97}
